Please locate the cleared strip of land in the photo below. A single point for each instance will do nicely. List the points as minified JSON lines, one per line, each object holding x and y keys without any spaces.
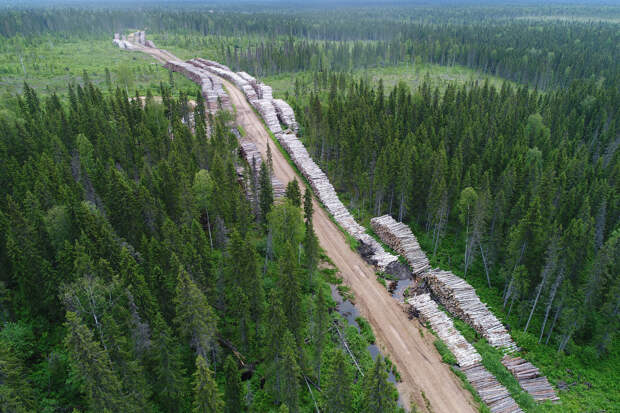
{"x":414,"y":355}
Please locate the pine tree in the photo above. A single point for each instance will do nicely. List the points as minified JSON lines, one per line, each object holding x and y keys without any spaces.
{"x":207,"y":398}
{"x":232,"y":390}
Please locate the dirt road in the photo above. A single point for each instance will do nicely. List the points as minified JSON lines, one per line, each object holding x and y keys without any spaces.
{"x":416,"y":358}
{"x":424,"y":376}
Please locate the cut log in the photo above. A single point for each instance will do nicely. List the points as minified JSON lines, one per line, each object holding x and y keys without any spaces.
{"x":530,"y":379}
{"x":428,"y":311}
{"x":400,"y":238}
{"x":460,"y":299}
{"x":492,"y":393}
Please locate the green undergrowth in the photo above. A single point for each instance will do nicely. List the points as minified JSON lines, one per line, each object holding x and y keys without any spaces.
{"x":49,"y":63}
{"x":446,"y":355}
{"x":366,"y":330}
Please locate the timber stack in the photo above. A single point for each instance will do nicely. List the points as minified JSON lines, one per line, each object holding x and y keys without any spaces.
{"x":122,"y":42}
{"x":286,"y":114}
{"x":530,"y":379}
{"x":466,"y":355}
{"x":492,"y":393}
{"x":400,"y":238}
{"x":461,"y":300}
{"x":211,"y":86}
{"x":252,"y":156}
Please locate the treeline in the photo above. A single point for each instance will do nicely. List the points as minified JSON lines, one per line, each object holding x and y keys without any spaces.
{"x":544,"y":54}
{"x":528,"y":184}
{"x":135,"y":275}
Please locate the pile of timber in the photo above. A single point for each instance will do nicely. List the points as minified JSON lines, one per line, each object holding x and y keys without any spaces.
{"x":252,"y":156}
{"x":530,"y":379}
{"x":268,"y":112}
{"x":492,"y":393}
{"x":466,"y":355}
{"x":122,"y":42}
{"x":211,"y":86}
{"x":461,"y":300}
{"x":399,"y":237}
{"x":286,"y":114}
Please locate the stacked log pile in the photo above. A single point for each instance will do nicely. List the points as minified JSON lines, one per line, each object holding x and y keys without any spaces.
{"x":252,"y":156}
{"x":268,"y":112}
{"x":121,"y":41}
{"x":530,"y":379}
{"x":466,"y":355}
{"x":492,"y":393}
{"x":286,"y":114}
{"x":265,"y":92}
{"x":399,"y":237}
{"x":461,"y":300}
{"x":211,"y":86}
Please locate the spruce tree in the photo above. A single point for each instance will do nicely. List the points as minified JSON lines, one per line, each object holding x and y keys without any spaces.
{"x":293,"y":193}
{"x":195,"y":319}
{"x":232,"y":389}
{"x":207,"y":397}
{"x":337,"y":396}
{"x":290,"y":373}
{"x":92,"y":364}
{"x":266,"y":191}
{"x":377,"y":390}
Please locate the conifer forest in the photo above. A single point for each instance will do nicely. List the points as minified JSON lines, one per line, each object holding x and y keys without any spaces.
{"x":337,"y":207}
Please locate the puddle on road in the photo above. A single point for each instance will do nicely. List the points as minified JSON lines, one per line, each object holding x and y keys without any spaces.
{"x":401,"y":286}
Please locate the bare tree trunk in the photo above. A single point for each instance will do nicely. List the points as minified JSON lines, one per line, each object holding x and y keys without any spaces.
{"x":486,"y":269}
{"x":555,"y":319}
{"x":554,"y":290}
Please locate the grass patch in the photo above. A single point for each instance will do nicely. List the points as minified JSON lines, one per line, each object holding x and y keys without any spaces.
{"x":366,"y":330}
{"x":51,"y":63}
{"x":446,"y":355}
{"x":346,"y":293}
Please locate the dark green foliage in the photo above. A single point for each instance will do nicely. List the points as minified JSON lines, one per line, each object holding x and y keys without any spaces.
{"x":293,"y":193}
{"x":377,"y":394}
{"x":207,"y":397}
{"x":138,"y":252}
{"x":338,"y":382}
{"x":265,"y":195}
{"x":93,"y":367}
{"x":232,"y":388}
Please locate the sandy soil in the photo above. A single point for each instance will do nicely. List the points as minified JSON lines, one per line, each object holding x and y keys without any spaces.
{"x":414,"y":354}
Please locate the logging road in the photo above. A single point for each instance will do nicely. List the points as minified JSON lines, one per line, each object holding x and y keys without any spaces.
{"x":417,"y":360}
